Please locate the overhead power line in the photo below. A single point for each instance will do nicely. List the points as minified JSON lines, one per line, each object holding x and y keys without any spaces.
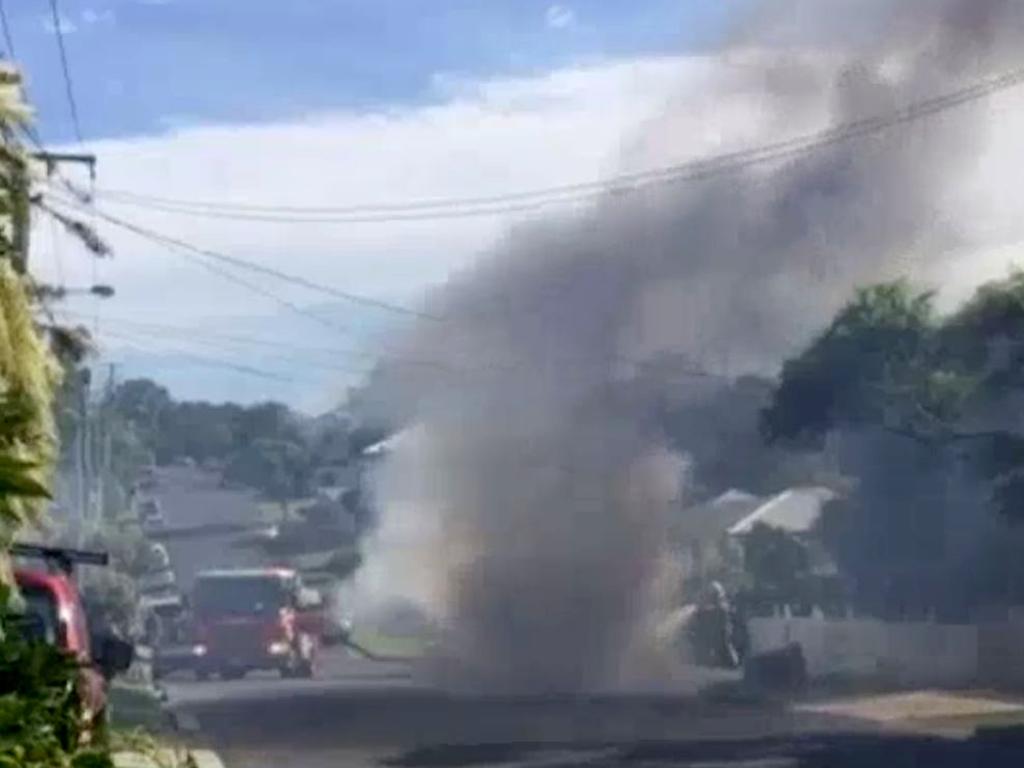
{"x":8,"y":38}
{"x":200,"y":359}
{"x":220,"y":344}
{"x":194,"y":332}
{"x":252,"y":266}
{"x":69,"y":89}
{"x":239,"y":339}
{"x":391,"y":356}
{"x":487,"y":205}
{"x":285,"y":351}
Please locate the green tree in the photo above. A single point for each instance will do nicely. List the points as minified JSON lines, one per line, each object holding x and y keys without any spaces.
{"x":144,"y":404}
{"x":868,"y":367}
{"x":280,"y":469}
{"x":922,"y":413}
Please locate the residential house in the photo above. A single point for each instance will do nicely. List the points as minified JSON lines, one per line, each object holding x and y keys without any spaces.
{"x":699,"y":534}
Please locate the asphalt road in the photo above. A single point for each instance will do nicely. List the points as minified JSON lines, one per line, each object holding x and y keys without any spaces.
{"x":362,"y":713}
{"x":192,"y":497}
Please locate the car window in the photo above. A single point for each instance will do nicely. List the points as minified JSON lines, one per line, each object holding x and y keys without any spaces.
{"x":40,"y":619}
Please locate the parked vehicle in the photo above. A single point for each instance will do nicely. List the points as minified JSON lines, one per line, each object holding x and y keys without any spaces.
{"x":54,"y":614}
{"x":255,"y":619}
{"x":168,"y":630}
{"x":148,"y":480}
{"x":158,"y":582}
{"x":151,"y":514}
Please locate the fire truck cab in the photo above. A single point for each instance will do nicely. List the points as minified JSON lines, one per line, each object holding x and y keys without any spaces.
{"x":255,"y":619}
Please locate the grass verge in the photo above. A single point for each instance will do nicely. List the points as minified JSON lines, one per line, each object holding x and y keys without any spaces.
{"x":135,"y":706}
{"x":390,"y":647}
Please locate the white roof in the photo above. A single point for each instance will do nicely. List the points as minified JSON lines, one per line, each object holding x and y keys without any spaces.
{"x":795,"y":511}
{"x":391,"y":442}
{"x":711,"y":519}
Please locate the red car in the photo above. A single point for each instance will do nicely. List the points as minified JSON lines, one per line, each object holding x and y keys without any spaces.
{"x":255,"y":619}
{"x":54,"y":614}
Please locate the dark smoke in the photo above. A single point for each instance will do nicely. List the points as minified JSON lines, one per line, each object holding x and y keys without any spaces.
{"x":532,"y":496}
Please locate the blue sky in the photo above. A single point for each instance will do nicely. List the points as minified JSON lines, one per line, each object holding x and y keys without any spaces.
{"x":142,"y":66}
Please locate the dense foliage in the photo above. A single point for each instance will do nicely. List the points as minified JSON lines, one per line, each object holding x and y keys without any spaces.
{"x":266,"y":446}
{"x":923,"y":413}
{"x":40,"y":712}
{"x":27,"y":379}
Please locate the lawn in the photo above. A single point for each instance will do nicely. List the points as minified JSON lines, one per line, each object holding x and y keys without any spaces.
{"x":135,"y":706}
{"x":388,"y":646}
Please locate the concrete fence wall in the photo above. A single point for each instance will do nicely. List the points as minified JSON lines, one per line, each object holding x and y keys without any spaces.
{"x":1001,"y":651}
{"x":912,"y":653}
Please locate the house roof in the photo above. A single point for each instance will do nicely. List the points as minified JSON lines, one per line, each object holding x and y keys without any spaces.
{"x":795,"y":510}
{"x":711,"y":519}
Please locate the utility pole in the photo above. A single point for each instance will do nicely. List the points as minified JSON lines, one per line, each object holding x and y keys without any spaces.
{"x":21,"y":215}
{"x":54,"y":159}
{"x":82,"y":448}
{"x":105,"y":440}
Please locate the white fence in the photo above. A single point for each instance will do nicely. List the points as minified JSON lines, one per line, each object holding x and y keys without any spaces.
{"x":911,"y":653}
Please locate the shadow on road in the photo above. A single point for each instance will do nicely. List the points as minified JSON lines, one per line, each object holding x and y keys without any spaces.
{"x":824,"y":750}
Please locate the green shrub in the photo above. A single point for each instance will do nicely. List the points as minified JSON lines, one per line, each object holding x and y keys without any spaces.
{"x":41,"y":723}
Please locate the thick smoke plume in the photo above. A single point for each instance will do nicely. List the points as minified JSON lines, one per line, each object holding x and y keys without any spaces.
{"x":526,"y":510}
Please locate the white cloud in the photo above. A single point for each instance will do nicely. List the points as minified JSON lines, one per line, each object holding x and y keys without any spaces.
{"x":93,"y":16}
{"x":67,"y":26}
{"x":559,"y":17}
{"x":487,"y":138}
{"x":483,"y":137}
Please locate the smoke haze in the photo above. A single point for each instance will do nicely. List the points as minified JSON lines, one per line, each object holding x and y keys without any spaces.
{"x":526,"y":511}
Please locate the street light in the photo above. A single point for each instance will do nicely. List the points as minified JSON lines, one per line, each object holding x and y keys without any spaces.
{"x":103,"y":291}
{"x":57,"y":292}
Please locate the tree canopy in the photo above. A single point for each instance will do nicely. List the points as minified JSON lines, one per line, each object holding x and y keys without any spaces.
{"x":887,"y":361}
{"x":266,"y":446}
{"x":923,"y":413}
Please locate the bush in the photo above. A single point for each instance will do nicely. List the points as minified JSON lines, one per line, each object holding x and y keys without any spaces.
{"x":111,"y":601}
{"x":41,"y":723}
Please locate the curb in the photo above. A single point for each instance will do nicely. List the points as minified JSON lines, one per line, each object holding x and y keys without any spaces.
{"x":201,"y":758}
{"x":184,"y":722}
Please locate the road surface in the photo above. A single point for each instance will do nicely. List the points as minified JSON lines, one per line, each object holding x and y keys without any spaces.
{"x":359,"y":714}
{"x":191,"y":497}
{"x":363,"y":713}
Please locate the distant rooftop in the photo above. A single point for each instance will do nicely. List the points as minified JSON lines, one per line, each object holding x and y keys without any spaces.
{"x":795,"y":511}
